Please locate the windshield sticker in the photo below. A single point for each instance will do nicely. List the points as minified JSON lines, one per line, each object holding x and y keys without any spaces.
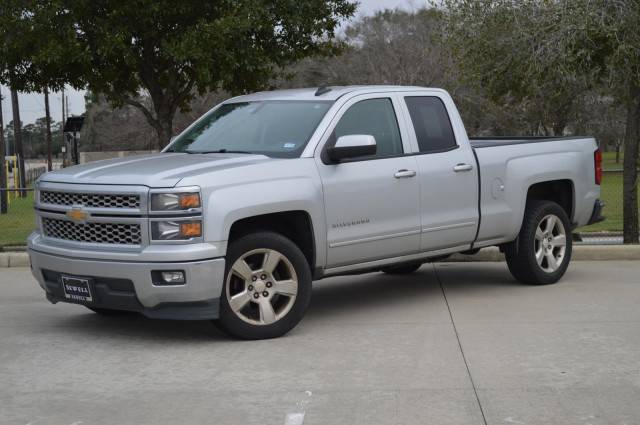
{"x":289,"y":145}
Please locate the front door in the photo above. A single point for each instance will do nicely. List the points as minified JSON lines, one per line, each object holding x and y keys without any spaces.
{"x":371,"y":203}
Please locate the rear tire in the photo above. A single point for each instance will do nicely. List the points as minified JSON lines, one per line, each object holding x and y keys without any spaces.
{"x":267,"y":287}
{"x":542,"y":252}
{"x":403,"y":269}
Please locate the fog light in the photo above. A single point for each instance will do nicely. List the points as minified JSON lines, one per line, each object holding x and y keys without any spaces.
{"x":168,"y":277}
{"x":173,"y":277}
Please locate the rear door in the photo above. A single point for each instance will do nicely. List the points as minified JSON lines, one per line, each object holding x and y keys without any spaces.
{"x":371,"y":203}
{"x":447,"y":172}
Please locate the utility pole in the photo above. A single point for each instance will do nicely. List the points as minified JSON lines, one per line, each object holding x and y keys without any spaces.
{"x":48,"y":119}
{"x":17,"y":136}
{"x":64,"y":142}
{"x":3,"y":169}
{"x":76,"y":157}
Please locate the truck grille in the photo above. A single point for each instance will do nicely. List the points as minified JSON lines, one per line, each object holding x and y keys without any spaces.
{"x":107,"y":233}
{"x":90,"y":200}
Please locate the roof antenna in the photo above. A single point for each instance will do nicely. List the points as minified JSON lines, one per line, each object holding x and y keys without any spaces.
{"x":322,"y":90}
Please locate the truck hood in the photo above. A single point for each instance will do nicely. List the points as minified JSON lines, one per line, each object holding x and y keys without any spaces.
{"x":157,"y":170}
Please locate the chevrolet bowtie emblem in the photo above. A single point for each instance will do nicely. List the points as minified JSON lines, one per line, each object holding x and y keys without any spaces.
{"x":78,"y":215}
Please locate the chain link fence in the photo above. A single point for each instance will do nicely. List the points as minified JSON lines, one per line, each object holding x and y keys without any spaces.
{"x":610,"y":230}
{"x":17,"y":219}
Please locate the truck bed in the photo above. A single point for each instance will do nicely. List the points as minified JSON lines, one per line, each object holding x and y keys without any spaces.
{"x":487,"y":142}
{"x":510,"y":165}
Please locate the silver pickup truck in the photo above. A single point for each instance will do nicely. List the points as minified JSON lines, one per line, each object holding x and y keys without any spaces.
{"x":269,"y":191}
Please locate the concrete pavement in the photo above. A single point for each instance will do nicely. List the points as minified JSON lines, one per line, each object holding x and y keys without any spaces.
{"x":455,"y":343}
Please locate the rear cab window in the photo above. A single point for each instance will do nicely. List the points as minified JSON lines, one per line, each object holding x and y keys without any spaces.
{"x":431,"y":124}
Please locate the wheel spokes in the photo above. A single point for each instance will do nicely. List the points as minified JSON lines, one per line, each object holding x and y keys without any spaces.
{"x":551,"y":224}
{"x":540,"y":255}
{"x":271,"y":261}
{"x":242,"y":269}
{"x":239,"y":301}
{"x":286,"y":287}
{"x":552,"y":263}
{"x":267,"y":314}
{"x":559,"y":241}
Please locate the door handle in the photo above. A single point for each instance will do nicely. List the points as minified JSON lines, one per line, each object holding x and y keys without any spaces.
{"x":462,"y":167}
{"x":403,"y":174}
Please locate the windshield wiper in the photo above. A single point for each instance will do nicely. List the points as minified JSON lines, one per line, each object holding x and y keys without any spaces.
{"x":218,"y":151}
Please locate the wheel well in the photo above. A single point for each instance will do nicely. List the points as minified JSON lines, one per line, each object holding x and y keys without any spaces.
{"x":558,"y":191}
{"x":295,"y":225}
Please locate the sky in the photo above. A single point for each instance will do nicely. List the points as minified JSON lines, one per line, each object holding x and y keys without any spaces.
{"x":32,"y":104}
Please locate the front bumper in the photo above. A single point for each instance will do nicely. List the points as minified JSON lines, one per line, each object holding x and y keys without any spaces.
{"x":128,"y":285}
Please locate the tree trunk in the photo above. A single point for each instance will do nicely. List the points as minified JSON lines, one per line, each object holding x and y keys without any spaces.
{"x":165,"y":113}
{"x":558,"y":129}
{"x":48,"y":119}
{"x":630,"y":167}
{"x":3,"y":174}
{"x":161,"y":120}
{"x":17,"y":137}
{"x":164,"y":128}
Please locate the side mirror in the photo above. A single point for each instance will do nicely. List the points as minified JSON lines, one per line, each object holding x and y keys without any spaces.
{"x":352,"y":146}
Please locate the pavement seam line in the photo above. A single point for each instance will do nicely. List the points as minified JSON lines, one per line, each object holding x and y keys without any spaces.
{"x":464,"y":357}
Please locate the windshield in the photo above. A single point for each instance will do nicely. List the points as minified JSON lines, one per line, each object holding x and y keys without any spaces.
{"x":274,"y":128}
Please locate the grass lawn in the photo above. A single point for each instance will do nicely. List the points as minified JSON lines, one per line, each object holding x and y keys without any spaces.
{"x":611,"y":194}
{"x":16,"y":225}
{"x":609,"y":161}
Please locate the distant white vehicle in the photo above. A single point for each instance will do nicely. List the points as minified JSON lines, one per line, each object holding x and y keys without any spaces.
{"x":268,"y":191}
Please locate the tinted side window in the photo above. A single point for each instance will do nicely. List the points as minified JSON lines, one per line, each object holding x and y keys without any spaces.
{"x":375,"y":117}
{"x":431,"y":123}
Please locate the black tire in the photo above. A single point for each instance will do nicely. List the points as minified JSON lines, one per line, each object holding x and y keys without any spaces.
{"x":402,"y":269}
{"x":521,"y":255}
{"x":230,"y":323}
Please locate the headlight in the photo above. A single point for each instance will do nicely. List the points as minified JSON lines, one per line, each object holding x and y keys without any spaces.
{"x":174,"y":201}
{"x":176,"y":230}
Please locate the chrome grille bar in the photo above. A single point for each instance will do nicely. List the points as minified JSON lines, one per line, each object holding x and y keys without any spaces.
{"x":104,"y":233}
{"x":90,"y":200}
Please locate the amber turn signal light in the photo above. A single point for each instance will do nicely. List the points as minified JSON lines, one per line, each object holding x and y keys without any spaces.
{"x":192,"y":229}
{"x":189,"y":200}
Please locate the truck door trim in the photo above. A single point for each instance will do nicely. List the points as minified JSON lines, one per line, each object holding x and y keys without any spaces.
{"x":374,"y":238}
{"x":449,"y":226}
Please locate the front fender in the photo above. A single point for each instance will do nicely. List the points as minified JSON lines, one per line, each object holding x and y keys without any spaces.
{"x":226,"y":205}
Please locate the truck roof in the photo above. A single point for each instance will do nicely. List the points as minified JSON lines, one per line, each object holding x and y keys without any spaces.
{"x":310,"y":93}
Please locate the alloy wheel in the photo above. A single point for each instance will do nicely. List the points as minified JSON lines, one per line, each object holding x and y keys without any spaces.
{"x":261,"y":286}
{"x":550,"y":243}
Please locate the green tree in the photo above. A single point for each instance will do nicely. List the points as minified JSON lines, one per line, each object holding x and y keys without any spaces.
{"x":169,"y":51}
{"x":503,"y":47}
{"x":552,"y":53}
{"x":37,"y":52}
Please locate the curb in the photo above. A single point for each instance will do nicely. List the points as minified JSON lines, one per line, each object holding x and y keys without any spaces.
{"x":14,"y":259}
{"x":491,"y":254}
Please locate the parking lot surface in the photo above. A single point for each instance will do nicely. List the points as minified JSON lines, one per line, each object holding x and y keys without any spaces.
{"x":451,"y":344}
